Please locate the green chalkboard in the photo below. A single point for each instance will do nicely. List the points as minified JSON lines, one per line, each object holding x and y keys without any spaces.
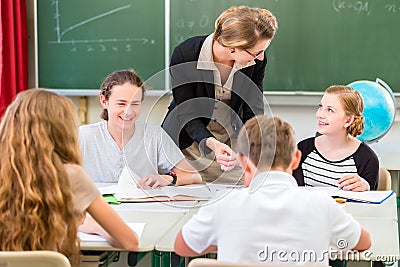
{"x":319,"y":42}
{"x":81,"y":41}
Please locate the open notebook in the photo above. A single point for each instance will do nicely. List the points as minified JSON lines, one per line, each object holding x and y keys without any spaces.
{"x":127,"y":191}
{"x":372,"y":197}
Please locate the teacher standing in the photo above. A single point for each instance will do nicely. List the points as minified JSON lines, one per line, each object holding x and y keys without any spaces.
{"x":217,"y":85}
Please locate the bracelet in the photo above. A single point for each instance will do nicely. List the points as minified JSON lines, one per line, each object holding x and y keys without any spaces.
{"x":174,"y":177}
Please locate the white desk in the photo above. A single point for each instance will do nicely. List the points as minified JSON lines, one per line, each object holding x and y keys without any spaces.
{"x":388,"y":209}
{"x":166,"y":243}
{"x":384,"y":237}
{"x":379,"y":219}
{"x":159,"y":218}
{"x":381,"y":222}
{"x":163,"y":222}
{"x":157,"y":225}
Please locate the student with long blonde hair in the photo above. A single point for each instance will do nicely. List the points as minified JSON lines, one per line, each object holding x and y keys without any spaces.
{"x":44,"y":190}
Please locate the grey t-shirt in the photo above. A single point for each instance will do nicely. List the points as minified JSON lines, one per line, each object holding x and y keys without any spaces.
{"x":150,"y":150}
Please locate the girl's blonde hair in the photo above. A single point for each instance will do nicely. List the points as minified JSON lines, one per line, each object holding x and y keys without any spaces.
{"x":242,"y":27}
{"x":38,"y":135}
{"x":353,"y":105}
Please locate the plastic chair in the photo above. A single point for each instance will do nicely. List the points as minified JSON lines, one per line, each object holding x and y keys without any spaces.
{"x":384,"y":180}
{"x":205,"y":262}
{"x":40,"y":258}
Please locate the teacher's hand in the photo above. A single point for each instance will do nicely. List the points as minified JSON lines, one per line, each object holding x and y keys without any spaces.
{"x":223,"y":153}
{"x":353,"y":182}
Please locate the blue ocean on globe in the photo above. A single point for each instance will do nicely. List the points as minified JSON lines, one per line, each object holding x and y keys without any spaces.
{"x":379,"y":108}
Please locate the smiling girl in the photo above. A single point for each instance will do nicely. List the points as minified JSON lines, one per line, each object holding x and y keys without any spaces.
{"x":336,"y":158}
{"x":120,"y":140}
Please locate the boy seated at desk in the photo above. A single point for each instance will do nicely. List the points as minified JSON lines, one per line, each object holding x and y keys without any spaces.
{"x":271,"y":219}
{"x":119,"y":140}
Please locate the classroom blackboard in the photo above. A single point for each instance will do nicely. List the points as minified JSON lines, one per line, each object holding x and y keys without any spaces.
{"x":318,"y":43}
{"x":81,"y":41}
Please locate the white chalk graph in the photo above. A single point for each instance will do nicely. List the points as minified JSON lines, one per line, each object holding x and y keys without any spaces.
{"x":60,"y":38}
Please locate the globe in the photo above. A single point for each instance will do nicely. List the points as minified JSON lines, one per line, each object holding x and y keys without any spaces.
{"x":379,"y":108}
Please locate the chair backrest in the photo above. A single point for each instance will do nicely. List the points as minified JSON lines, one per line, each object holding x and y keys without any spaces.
{"x":204,"y":262}
{"x":384,"y":179}
{"x":40,"y":258}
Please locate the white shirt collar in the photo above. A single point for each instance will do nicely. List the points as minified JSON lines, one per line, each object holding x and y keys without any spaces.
{"x":270,"y":178}
{"x":206,"y":60}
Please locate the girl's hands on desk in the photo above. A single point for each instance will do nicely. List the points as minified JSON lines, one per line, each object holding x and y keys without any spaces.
{"x":223,"y":154}
{"x":154,"y":181}
{"x":353,"y":182}
{"x":90,"y":226}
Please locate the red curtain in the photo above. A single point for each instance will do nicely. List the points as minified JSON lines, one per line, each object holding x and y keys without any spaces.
{"x":14,"y":51}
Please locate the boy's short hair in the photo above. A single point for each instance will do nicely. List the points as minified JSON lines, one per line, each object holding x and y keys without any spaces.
{"x":267,"y":142}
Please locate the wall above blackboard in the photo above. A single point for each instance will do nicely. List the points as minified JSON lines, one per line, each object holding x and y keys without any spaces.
{"x":318,"y":43}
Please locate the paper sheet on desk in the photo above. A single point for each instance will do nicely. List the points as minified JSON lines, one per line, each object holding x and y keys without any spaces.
{"x":221,"y":187}
{"x":127,"y":183}
{"x":108,"y":190}
{"x":372,"y":197}
{"x":136,"y":227}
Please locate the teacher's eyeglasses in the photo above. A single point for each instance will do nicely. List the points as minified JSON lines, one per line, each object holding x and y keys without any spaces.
{"x":254,"y":55}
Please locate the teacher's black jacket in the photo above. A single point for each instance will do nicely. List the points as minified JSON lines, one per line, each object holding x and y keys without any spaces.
{"x":193,"y":95}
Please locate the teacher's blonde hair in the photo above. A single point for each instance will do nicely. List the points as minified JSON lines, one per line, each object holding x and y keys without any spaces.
{"x":242,"y":27}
